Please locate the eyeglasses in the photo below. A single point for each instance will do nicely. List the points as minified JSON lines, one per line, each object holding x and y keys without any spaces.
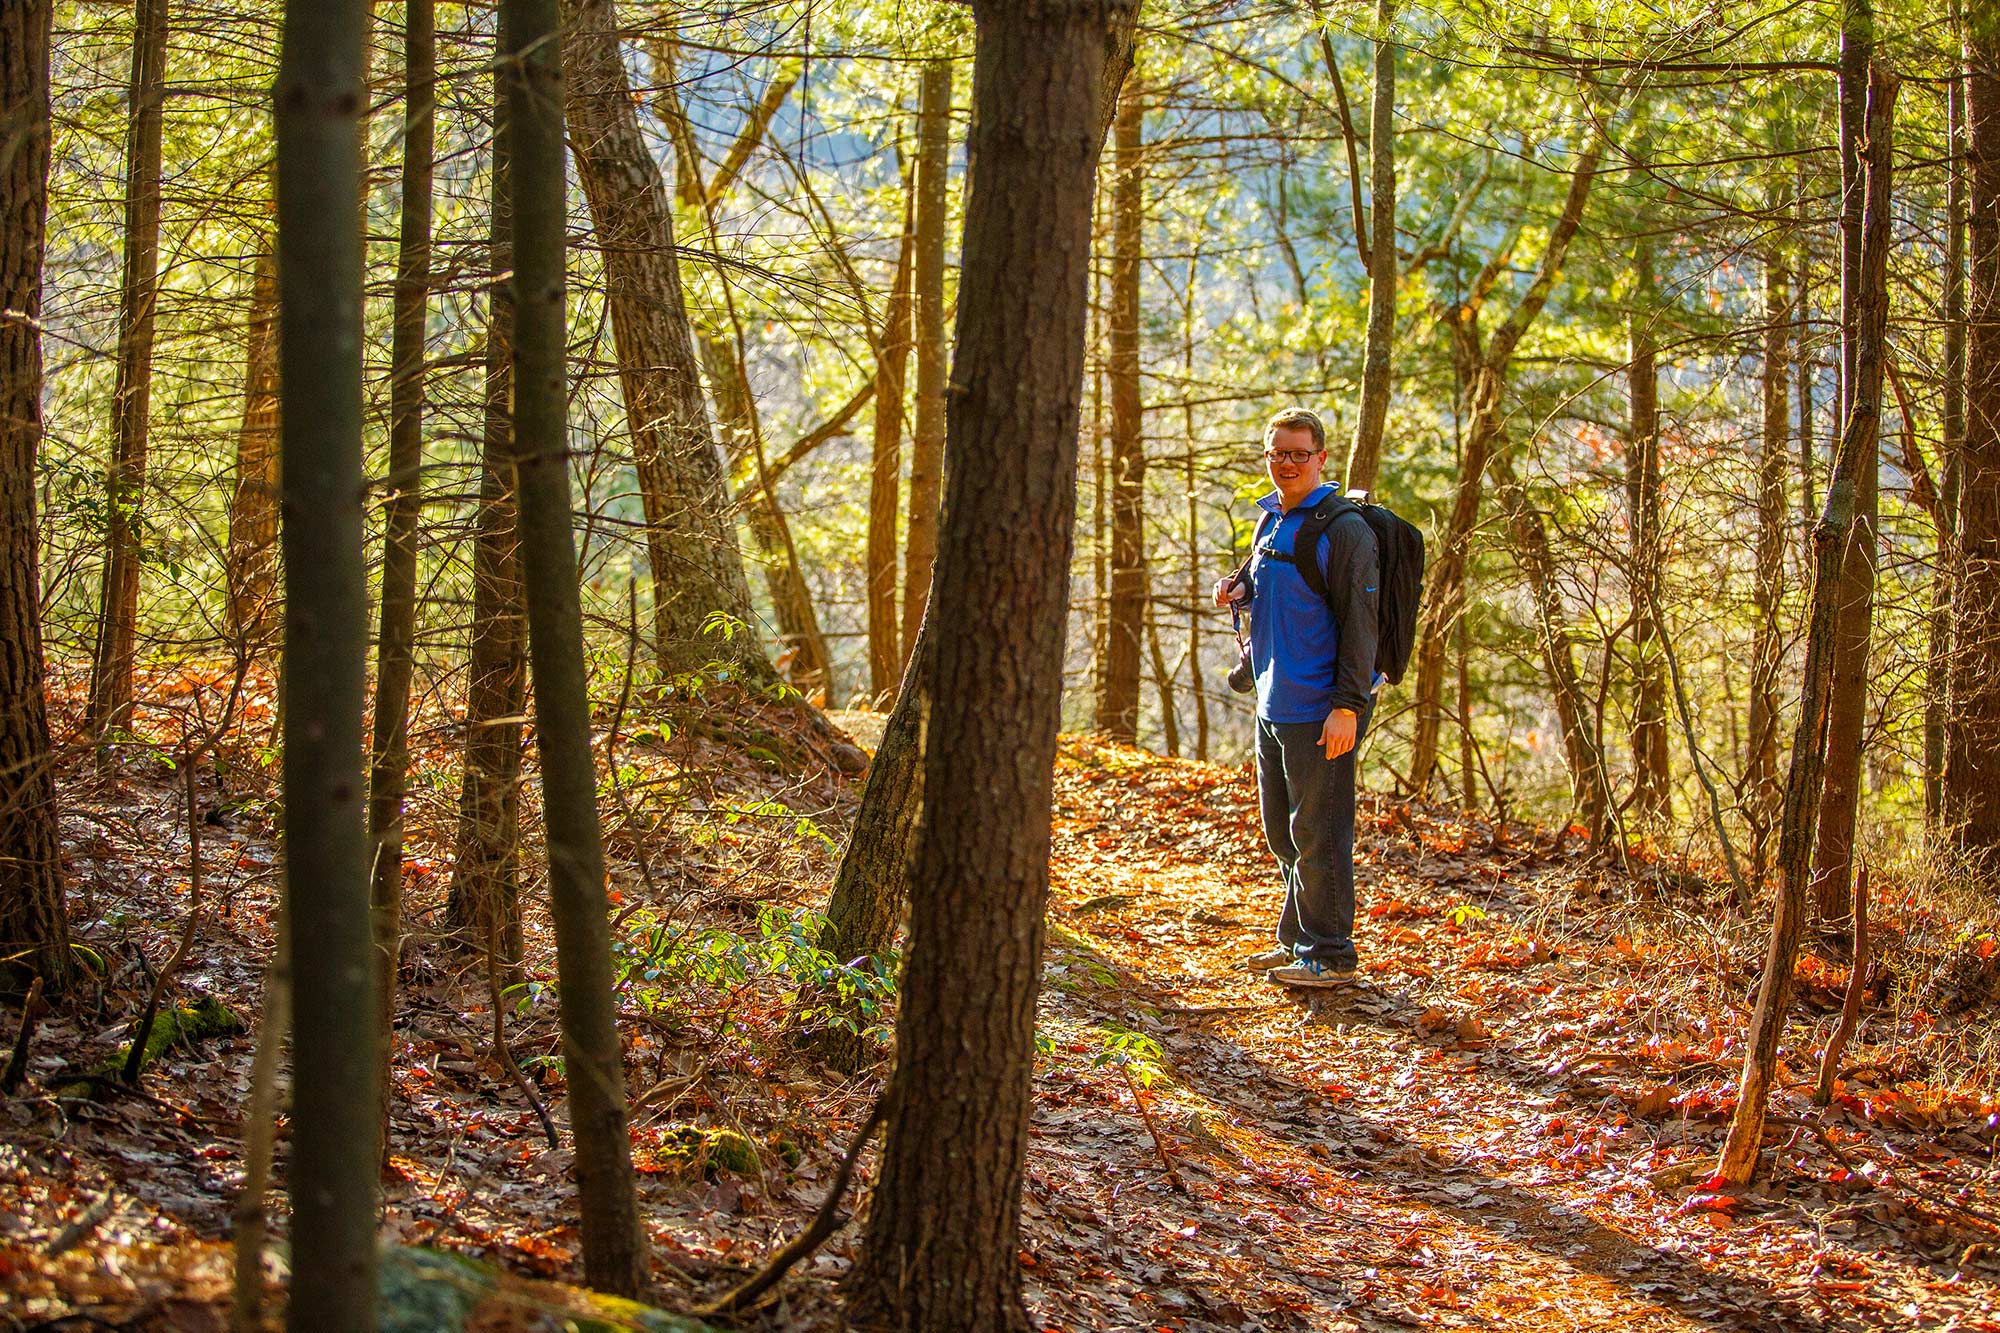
{"x":1296,"y":457}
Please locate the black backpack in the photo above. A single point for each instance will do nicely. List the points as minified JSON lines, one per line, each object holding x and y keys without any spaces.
{"x":1399,"y":546}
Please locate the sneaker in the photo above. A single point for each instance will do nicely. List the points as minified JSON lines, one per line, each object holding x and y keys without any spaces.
{"x":1265,"y":961}
{"x":1308,"y":972}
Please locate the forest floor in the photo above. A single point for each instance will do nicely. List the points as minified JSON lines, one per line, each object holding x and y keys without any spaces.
{"x":1501,"y":1124}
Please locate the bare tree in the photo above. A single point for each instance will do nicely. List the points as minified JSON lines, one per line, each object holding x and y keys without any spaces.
{"x":389,"y":741}
{"x":1972,"y":764}
{"x":1483,"y":364}
{"x":941,"y":1245}
{"x":1125,"y":614}
{"x":614,"y":1252}
{"x":34,"y":929}
{"x":482,"y":908}
{"x":1378,"y":257}
{"x":110,"y":706}
{"x":927,"y":441}
{"x":1805,"y":779}
{"x":336,"y":1065}
{"x":691,"y":545}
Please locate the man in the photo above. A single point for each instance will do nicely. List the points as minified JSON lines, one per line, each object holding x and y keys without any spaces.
{"x":1315,"y":667}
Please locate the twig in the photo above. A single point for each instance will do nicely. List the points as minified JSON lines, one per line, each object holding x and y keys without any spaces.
{"x":74,"y":1234}
{"x":259,"y":1127}
{"x":1857,"y":985}
{"x":1914,"y":1191}
{"x":1146,"y":1116}
{"x":17,"y":1063}
{"x":824,"y":1223}
{"x":1742,"y":890}
{"x":501,"y":1052}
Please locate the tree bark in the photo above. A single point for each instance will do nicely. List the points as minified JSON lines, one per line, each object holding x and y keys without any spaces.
{"x":927,"y":442}
{"x":1364,"y":457}
{"x":1773,"y":531}
{"x":872,"y":884}
{"x":1803,"y":782}
{"x":1482,"y":373}
{"x":885,"y":652}
{"x":1938,"y":720}
{"x":34,"y":928}
{"x":483,"y":902}
{"x":110,"y":704}
{"x":942,"y":1236}
{"x":321,"y":93}
{"x":389,"y":742}
{"x":1652,"y":776}
{"x":253,"y":497}
{"x":696,"y":564}
{"x":614,"y":1255}
{"x":1972,"y":766}
{"x":1839,"y":803}
{"x":1590,"y":784}
{"x":1125,"y":616}
{"x":807,"y":664}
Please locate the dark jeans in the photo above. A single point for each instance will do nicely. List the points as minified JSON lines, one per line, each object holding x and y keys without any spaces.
{"x":1308,"y":808}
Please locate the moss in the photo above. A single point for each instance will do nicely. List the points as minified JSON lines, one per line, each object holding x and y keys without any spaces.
{"x":428,"y":1291}
{"x":622,"y":1316}
{"x":435,"y":1291}
{"x":181,"y":1025}
{"x":184,"y":1025}
{"x":709,"y":1150}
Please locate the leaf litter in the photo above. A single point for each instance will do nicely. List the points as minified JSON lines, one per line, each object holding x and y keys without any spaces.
{"x":1501,"y":1125}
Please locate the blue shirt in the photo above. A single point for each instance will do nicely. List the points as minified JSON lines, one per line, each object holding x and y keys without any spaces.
{"x":1294,"y":640}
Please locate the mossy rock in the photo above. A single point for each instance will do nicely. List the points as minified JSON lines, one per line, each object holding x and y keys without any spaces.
{"x":179,"y":1025}
{"x":186,"y":1024}
{"x":709,"y":1150}
{"x":434,"y":1291}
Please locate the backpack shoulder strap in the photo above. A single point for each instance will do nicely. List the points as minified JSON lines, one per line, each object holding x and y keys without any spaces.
{"x":1264,"y":524}
{"x":1305,"y":541}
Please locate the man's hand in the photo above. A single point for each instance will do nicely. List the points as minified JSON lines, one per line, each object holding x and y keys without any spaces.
{"x":1226,"y":590}
{"x":1338,"y":733}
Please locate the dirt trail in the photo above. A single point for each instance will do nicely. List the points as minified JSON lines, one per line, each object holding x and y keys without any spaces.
{"x":1464,"y":1138}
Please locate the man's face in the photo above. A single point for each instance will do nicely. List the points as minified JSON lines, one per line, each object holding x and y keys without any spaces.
{"x":1294,"y":463}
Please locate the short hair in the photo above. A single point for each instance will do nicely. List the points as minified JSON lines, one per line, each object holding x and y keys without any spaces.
{"x":1297,"y":418}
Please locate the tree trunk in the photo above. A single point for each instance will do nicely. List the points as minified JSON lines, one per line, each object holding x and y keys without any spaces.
{"x":807,"y":664}
{"x":253,"y":498}
{"x":696,"y":564}
{"x":483,"y":902}
{"x":1590,"y":784}
{"x":1651,"y":775}
{"x":885,"y":652}
{"x":1163,"y":679}
{"x":389,"y":742}
{"x":1364,"y":458}
{"x":1125,"y":617}
{"x":1738,"y":1162}
{"x":110,"y":705}
{"x":927,"y":444}
{"x":873,"y":883}
{"x":1938,"y":721}
{"x":941,"y":1250}
{"x":614,"y":1255}
{"x":336,"y":1063}
{"x":1839,"y":803}
{"x":34,"y":928}
{"x":1482,"y":374}
{"x":1773,"y":531}
{"x":1972,"y":766}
